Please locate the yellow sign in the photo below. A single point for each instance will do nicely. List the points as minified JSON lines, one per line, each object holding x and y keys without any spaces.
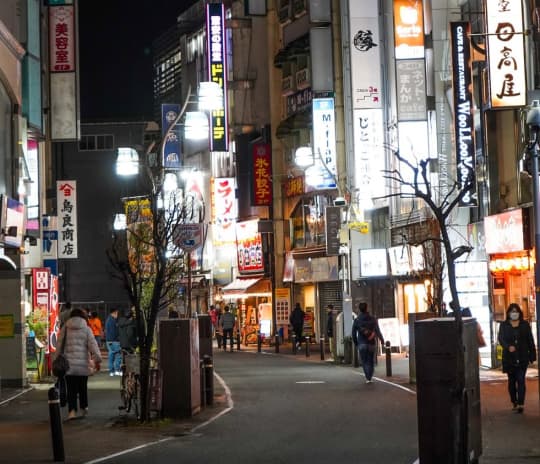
{"x":362,"y":227}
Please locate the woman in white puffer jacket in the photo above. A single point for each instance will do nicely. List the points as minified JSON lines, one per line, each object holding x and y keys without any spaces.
{"x":80,"y":349}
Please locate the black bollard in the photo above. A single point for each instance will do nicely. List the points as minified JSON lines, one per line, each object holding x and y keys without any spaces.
{"x":307,"y":347}
{"x":276,"y":338}
{"x":55,"y":419}
{"x":321,"y":344}
{"x":208,"y":367}
{"x":388,"y":351}
{"x":259,"y":341}
{"x":203,"y":383}
{"x":294,"y":344}
{"x":238,"y":340}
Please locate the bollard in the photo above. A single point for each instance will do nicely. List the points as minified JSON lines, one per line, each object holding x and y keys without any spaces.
{"x":56,"y":425}
{"x":276,"y":338}
{"x":203,"y":383}
{"x":238,"y":340}
{"x":307,"y":347}
{"x":388,"y":351}
{"x":259,"y":341}
{"x":208,"y":367}
{"x":356,"y":362}
{"x":321,"y":344}
{"x":294,"y":344}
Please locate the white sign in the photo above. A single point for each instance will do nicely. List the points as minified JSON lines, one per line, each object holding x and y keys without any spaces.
{"x":66,"y":207}
{"x":373,"y":262}
{"x":400,"y":263}
{"x":323,"y":173}
{"x":390,"y":330}
{"x":365,"y":53}
{"x":369,"y":155}
{"x":506,"y":53}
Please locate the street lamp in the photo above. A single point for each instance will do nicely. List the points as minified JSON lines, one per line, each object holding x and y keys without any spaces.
{"x":533,"y":121}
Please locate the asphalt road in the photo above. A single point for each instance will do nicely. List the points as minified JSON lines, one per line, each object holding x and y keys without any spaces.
{"x":286,"y":410}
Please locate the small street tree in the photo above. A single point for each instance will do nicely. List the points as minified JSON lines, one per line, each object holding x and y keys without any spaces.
{"x":148,"y":261}
{"x":413,"y":181}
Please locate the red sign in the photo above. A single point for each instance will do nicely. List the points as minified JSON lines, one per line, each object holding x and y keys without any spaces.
{"x":249,"y":247}
{"x":262,"y":174}
{"x":54,"y":315}
{"x":62,"y":38}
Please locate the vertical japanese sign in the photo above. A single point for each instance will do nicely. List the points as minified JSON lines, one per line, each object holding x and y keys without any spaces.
{"x":463,"y":109}
{"x":333,"y":224}
{"x":262,"y":174}
{"x":63,"y":73}
{"x":171,"y":138}
{"x":224,"y":208}
{"x":66,"y":204}
{"x":506,"y":53}
{"x":365,"y":54}
{"x":283,"y":305}
{"x":249,"y":247}
{"x":40,"y":288}
{"x":323,"y":173}
{"x":217,"y":70}
{"x":411,"y":90}
{"x":54,"y":315}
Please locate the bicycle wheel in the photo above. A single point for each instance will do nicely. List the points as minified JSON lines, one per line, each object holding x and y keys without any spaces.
{"x":136,"y":397}
{"x":130,"y":390}
{"x":124,"y":394}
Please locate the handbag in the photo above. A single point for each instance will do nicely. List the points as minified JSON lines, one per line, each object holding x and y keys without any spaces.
{"x":60,"y":365}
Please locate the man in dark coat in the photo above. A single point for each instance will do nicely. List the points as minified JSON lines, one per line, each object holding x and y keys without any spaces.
{"x":127,"y":332}
{"x":297,"y":322}
{"x":365,"y":332}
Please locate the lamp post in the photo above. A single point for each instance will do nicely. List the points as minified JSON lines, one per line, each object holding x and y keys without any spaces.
{"x":533,"y":121}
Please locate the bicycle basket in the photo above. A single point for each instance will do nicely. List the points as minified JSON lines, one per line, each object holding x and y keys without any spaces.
{"x":132,"y":363}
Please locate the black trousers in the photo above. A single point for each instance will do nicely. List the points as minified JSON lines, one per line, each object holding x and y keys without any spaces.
{"x":77,"y":386}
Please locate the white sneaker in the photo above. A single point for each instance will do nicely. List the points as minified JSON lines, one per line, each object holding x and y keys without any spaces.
{"x":369,"y":381}
{"x":118,"y":373}
{"x":84,"y":412}
{"x":72,"y":414}
{"x":111,"y":374}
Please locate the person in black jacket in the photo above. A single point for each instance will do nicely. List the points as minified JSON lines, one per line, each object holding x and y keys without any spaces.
{"x":127,"y":332}
{"x":297,"y":322}
{"x":365,"y":332}
{"x":516,"y":339}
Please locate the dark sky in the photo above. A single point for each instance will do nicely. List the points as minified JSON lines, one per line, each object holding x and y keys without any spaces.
{"x":115,"y":55}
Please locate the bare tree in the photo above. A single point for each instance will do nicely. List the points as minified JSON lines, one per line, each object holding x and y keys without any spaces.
{"x":151,"y":265}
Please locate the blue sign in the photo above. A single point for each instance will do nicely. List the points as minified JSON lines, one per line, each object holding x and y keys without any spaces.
{"x":170,"y":138}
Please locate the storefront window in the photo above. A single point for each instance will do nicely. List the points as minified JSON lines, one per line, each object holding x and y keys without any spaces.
{"x":308,"y":222}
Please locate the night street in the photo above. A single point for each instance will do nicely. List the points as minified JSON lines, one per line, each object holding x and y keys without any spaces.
{"x":287,"y":410}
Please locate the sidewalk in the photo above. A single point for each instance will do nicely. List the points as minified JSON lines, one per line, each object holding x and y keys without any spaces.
{"x":26,"y":436}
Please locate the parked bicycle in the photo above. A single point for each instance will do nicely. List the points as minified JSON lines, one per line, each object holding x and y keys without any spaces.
{"x":130,"y":387}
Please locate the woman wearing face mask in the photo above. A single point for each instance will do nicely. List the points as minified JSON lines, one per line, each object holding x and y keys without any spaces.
{"x":516,"y":339}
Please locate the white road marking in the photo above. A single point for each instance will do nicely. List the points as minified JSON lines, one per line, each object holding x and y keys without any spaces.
{"x":311,"y":381}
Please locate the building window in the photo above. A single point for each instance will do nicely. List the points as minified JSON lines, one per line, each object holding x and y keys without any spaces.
{"x":96,"y":142}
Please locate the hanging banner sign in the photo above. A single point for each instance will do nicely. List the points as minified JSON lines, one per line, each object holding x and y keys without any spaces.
{"x":171,"y":138}
{"x":262,"y":174}
{"x":66,"y":205}
{"x":463,"y":110}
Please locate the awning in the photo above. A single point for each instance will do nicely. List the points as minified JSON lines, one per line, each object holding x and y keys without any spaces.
{"x":243,"y":288}
{"x":240,"y":285}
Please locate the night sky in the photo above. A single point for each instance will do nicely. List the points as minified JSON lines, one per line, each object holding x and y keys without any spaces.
{"x":115,"y":55}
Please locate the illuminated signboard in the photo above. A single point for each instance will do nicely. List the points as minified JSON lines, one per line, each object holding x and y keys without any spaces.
{"x":408,"y":29}
{"x":322,"y":175}
{"x":66,"y":205}
{"x":224,"y":205}
{"x":506,"y":53}
{"x":217,"y":70}
{"x":506,"y":232}
{"x":61,"y":39}
{"x":249,"y":247}
{"x":171,"y":138}
{"x":411,"y":86}
{"x":463,"y":110}
{"x":262,"y":174}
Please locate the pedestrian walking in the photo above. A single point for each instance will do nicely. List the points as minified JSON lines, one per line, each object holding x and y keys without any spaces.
{"x":80,"y":349}
{"x":516,"y":338}
{"x":94,"y":322}
{"x":112,"y":341}
{"x":297,"y":321}
{"x":227,"y":323}
{"x":365,"y":332}
{"x":127,"y":332}
{"x":330,"y":329}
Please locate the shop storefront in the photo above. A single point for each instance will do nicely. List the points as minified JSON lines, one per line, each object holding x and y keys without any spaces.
{"x":511,"y":264}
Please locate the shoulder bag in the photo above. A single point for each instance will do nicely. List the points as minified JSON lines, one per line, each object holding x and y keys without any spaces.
{"x":60,"y":365}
